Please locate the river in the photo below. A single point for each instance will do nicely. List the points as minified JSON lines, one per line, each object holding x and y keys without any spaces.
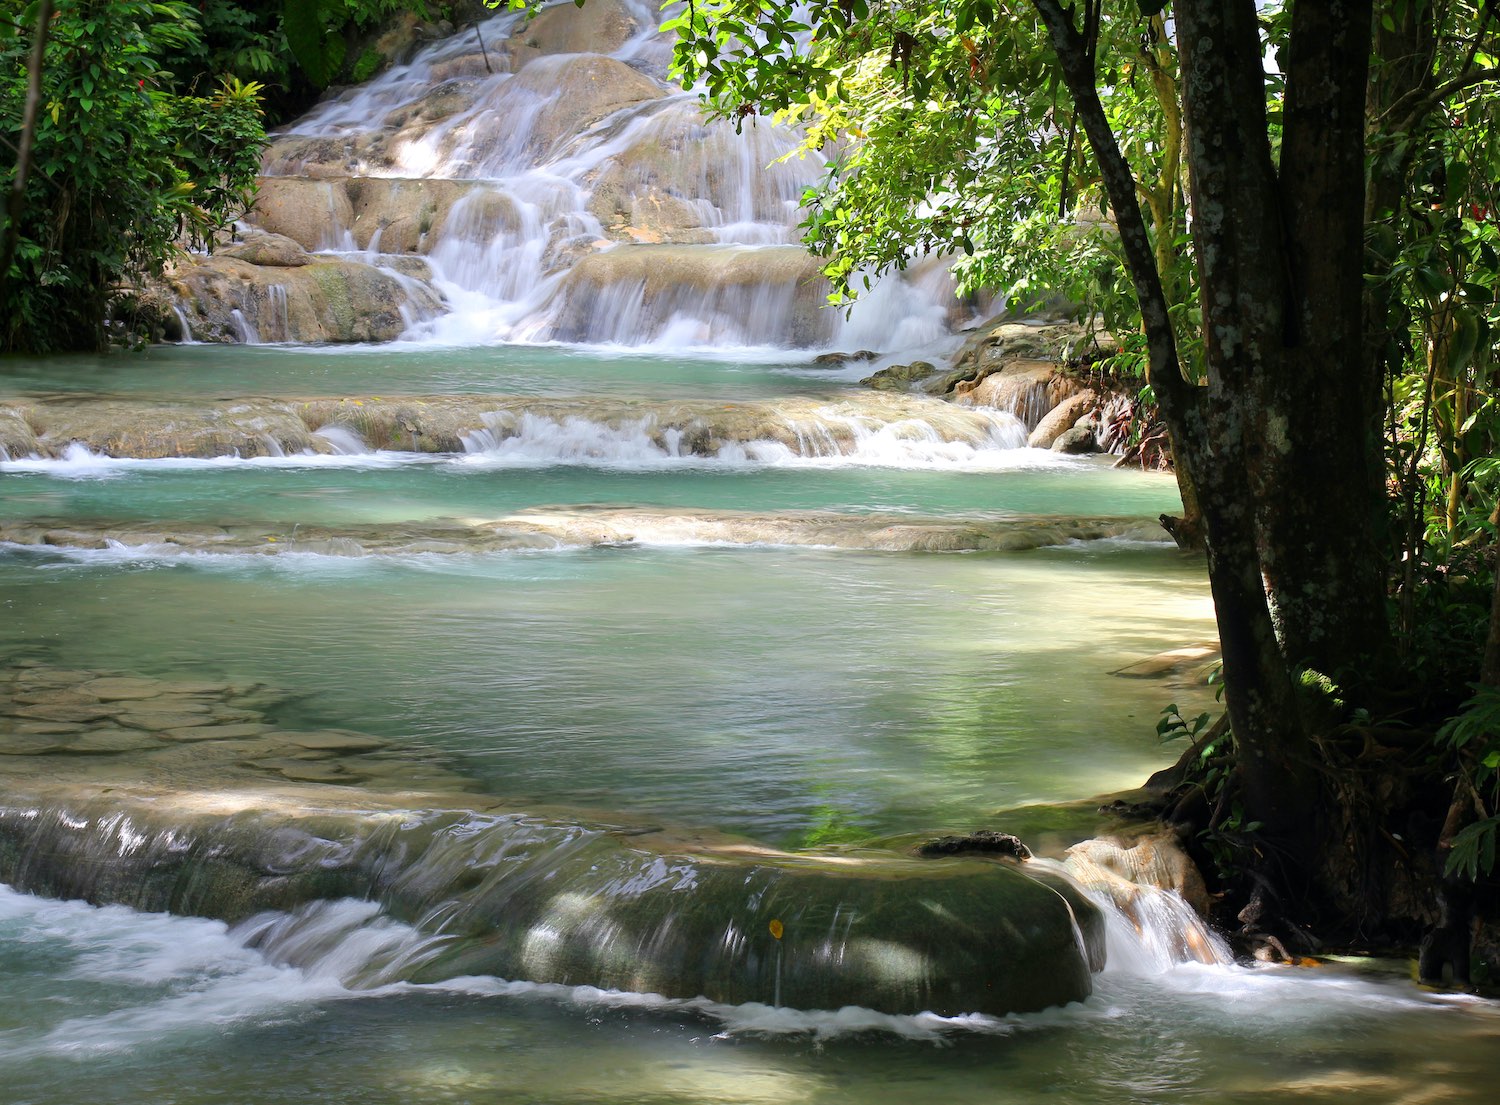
{"x":594,"y":575}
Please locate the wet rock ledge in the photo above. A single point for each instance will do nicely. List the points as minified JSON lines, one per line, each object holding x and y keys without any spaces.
{"x":577,"y":527}
{"x":48,"y":426}
{"x":182,"y":795}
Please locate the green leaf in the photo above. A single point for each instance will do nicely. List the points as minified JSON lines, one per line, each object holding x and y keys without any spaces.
{"x":318,"y":52}
{"x":1465,"y":341}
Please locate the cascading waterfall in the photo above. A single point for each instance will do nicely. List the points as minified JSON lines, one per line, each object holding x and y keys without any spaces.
{"x":718,"y":592}
{"x":247,"y":330}
{"x":276,"y":311}
{"x":518,"y":897}
{"x":557,"y":188}
{"x":458,"y":895}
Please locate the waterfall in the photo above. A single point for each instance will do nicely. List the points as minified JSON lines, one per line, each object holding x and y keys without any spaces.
{"x":871,"y":429}
{"x":277,"y":321}
{"x":559,"y":189}
{"x":182,"y":321}
{"x":506,"y":904}
{"x":247,"y":331}
{"x":343,"y":440}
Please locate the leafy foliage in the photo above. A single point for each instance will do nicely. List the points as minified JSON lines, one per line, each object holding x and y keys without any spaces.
{"x":1474,"y":735}
{"x":949,"y":134}
{"x":123,"y":167}
{"x":150,"y":137}
{"x":318,"y":31}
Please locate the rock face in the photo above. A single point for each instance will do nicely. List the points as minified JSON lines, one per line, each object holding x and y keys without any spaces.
{"x":230,"y":298}
{"x":635,"y":289}
{"x":602,"y":27}
{"x":1062,"y":418}
{"x":901,"y":377}
{"x":1017,"y":367}
{"x":574,"y":92}
{"x":1026,"y":387}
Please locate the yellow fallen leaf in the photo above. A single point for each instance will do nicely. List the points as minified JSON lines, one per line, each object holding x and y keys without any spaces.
{"x":777,"y":928}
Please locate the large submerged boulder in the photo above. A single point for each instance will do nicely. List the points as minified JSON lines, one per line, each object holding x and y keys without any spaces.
{"x":286,"y":298}
{"x":556,"y":901}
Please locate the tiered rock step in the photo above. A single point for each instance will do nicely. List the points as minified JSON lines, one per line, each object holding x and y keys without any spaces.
{"x":585,"y":526}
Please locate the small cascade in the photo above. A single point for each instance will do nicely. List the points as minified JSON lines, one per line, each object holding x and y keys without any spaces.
{"x":352,"y":943}
{"x":249,"y":335}
{"x":342,"y":440}
{"x":560,"y":189}
{"x":277,"y":319}
{"x":862,"y":428}
{"x":454,"y":893}
{"x":754,"y":438}
{"x":186,"y":326}
{"x":1140,"y":888}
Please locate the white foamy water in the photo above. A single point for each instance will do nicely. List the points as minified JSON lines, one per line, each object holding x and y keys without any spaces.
{"x":554,"y":167}
{"x":141,"y":980}
{"x":133,"y":979}
{"x":78,"y":462}
{"x":528,"y":440}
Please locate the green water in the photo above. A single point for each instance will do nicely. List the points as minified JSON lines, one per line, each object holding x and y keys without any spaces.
{"x":791,"y":695}
{"x":281,"y":495}
{"x":212,"y":371}
{"x":763,"y":691}
{"x":132,"y":1008}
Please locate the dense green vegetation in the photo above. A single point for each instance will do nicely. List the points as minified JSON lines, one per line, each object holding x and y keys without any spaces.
{"x":125,"y":161}
{"x":147,"y":136}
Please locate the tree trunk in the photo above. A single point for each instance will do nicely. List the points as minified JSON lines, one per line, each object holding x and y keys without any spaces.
{"x":16,"y":202}
{"x":1282,"y":444}
{"x":1318,"y":496}
{"x":1239,"y":233}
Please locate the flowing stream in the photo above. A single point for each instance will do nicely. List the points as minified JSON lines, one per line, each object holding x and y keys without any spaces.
{"x":594,"y":585}
{"x":802,"y":696}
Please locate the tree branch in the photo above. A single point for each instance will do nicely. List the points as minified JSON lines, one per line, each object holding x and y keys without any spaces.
{"x":1442,"y":92}
{"x":1076,"y":63}
{"x":1430,"y":100}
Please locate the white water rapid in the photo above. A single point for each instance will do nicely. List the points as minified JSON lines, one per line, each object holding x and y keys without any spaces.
{"x":543,"y":181}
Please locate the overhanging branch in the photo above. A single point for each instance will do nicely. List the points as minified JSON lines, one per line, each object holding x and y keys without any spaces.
{"x":1075,"y":59}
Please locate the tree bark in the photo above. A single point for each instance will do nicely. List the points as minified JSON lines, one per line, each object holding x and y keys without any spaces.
{"x":1239,"y":235}
{"x":1319,"y":491}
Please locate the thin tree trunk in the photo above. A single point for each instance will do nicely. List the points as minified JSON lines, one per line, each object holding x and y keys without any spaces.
{"x":16,"y":204}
